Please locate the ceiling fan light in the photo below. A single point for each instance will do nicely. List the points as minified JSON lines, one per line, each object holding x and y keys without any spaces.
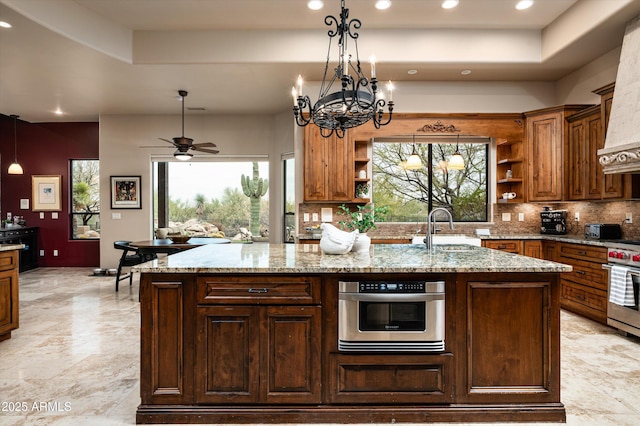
{"x":182,"y":156}
{"x":15,"y":169}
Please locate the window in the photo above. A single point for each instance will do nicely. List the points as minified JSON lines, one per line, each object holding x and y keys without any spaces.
{"x":85,"y":199}
{"x":289,"y":180}
{"x":204,"y":196}
{"x":411,"y":194}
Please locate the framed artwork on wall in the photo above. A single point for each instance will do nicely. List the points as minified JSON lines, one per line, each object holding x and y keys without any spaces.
{"x":45,"y":191}
{"x":125,"y":192}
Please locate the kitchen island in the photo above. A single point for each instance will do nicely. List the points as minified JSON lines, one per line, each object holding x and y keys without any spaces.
{"x":248,"y":333}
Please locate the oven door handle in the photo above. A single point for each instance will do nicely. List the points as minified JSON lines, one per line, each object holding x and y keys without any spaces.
{"x":375,"y":297}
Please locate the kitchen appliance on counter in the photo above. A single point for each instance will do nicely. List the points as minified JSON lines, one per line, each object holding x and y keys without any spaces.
{"x":602,"y":231}
{"x":391,"y":316}
{"x":625,"y":254}
{"x":553,"y":221}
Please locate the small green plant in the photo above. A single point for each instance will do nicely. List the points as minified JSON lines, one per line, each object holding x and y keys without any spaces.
{"x":364,"y":219}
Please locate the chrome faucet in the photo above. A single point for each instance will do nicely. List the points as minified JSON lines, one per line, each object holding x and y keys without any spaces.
{"x":430,"y":220}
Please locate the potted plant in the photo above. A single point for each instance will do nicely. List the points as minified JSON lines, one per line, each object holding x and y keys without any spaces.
{"x":363,"y":220}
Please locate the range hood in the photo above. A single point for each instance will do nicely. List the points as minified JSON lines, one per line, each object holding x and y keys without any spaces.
{"x":621,"y":152}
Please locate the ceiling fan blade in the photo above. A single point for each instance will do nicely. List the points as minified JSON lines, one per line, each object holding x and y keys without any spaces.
{"x":167,"y":140}
{"x":210,"y":151}
{"x":211,"y":144}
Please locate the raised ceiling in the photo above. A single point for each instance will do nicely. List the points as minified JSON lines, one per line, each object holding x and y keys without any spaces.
{"x":93,"y":57}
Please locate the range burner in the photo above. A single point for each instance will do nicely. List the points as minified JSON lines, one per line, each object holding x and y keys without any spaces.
{"x":624,"y":255}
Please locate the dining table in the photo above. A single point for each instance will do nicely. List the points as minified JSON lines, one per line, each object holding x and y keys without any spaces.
{"x":150,"y":248}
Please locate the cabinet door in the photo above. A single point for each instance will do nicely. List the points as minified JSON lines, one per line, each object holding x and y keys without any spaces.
{"x":595,"y":175}
{"x":315,"y":165}
{"x":8,"y":293}
{"x":613,"y":186}
{"x":328,"y":167}
{"x":577,"y":160}
{"x":545,"y":137}
{"x":291,"y":368}
{"x":533,"y":248}
{"x":227,"y":359}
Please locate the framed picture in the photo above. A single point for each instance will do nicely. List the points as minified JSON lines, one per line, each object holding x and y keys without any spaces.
{"x":125,"y":192}
{"x":46,"y":194}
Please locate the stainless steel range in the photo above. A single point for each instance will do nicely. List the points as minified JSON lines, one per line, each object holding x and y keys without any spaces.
{"x":625,"y":316}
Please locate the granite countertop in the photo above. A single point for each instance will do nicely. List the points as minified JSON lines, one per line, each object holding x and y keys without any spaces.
{"x":381,"y":258}
{"x":9,"y":247}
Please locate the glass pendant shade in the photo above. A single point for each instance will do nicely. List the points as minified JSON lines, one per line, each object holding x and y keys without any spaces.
{"x":413,"y":162}
{"x":15,"y":168}
{"x":456,"y":162}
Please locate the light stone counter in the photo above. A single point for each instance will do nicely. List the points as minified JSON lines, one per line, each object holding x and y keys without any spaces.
{"x":9,"y":247}
{"x":381,"y":258}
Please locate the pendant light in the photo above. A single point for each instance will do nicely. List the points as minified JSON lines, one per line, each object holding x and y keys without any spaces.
{"x":413,"y":162}
{"x":15,"y":168}
{"x":456,"y":162}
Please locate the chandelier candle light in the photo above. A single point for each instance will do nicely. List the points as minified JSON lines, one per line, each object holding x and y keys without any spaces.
{"x":357,"y":101}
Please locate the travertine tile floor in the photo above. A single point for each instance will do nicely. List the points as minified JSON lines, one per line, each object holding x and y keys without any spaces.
{"x":75,"y":358}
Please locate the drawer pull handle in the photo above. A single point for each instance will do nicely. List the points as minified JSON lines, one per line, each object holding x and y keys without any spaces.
{"x":581,"y":272}
{"x":582,"y":253}
{"x":258,"y":290}
{"x":502,"y":246}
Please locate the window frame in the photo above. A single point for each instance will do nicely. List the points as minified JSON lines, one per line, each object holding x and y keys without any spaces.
{"x":72,"y":213}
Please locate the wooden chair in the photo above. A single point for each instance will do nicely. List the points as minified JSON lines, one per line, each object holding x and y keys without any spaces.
{"x":127,"y":260}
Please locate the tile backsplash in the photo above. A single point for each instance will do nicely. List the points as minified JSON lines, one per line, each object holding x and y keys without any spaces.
{"x":590,"y":212}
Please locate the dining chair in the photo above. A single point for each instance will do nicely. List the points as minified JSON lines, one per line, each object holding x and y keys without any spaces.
{"x":127,"y":259}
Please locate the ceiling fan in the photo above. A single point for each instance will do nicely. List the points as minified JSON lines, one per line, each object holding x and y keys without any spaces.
{"x":184,"y":144}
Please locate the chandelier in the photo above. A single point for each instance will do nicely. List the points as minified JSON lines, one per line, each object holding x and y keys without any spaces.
{"x":357,"y":100}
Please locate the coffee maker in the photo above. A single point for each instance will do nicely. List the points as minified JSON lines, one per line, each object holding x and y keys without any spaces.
{"x":553,"y":221}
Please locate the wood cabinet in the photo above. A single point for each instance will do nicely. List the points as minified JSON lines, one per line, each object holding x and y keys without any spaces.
{"x":328,"y":167}
{"x":583,"y":171}
{"x":9,"y":293}
{"x":584,"y":290}
{"x":510,"y":170}
{"x":546,"y":133}
{"x":510,"y":246}
{"x":531,"y":248}
{"x":258,"y":340}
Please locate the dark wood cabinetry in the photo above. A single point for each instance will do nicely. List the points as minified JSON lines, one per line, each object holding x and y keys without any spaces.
{"x":510,"y":170}
{"x":29,"y":238}
{"x":546,"y":133}
{"x":584,"y":290}
{"x":9,"y":292}
{"x":328,"y":167}
{"x":258,"y":340}
{"x":584,"y":174}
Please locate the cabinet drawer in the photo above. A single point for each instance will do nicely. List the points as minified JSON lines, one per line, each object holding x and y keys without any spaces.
{"x":588,"y":274}
{"x":259,"y":290}
{"x":366,"y":379}
{"x":586,"y":296}
{"x":583,"y":252}
{"x":511,"y":246}
{"x":8,"y":260}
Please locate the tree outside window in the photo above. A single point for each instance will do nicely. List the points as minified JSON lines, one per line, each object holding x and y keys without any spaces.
{"x":411,"y":194}
{"x":85,"y":199}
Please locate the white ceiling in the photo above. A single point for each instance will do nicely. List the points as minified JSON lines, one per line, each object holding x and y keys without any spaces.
{"x":93,"y":57}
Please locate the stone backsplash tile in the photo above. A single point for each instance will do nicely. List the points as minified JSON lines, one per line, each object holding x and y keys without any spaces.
{"x":590,"y":212}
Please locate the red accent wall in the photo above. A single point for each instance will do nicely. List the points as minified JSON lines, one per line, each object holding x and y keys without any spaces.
{"x":45,"y":149}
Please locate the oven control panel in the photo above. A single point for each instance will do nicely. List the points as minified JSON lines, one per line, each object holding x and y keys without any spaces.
{"x":625,"y":257}
{"x":391,"y":287}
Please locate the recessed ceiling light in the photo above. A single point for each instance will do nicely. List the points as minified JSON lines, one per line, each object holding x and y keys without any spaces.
{"x":449,"y":4}
{"x":412,"y":72}
{"x":465,"y":72}
{"x":315,"y":4}
{"x":5,"y":24}
{"x":383,"y":4}
{"x":524,"y":4}
{"x":58,"y":111}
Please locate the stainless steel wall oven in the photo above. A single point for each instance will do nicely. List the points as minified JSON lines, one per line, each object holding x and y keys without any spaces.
{"x":391,"y":316}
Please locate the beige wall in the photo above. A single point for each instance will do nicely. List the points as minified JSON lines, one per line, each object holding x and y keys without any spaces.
{"x":121,"y":139}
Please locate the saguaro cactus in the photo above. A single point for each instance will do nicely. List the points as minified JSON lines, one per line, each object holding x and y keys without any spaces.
{"x":255,"y":189}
